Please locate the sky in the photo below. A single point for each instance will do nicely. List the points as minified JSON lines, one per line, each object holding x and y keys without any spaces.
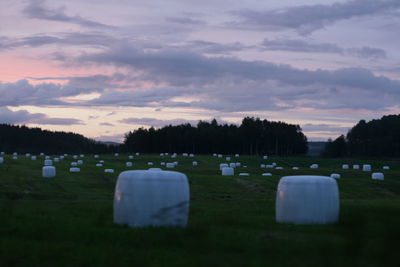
{"x":103,"y":68}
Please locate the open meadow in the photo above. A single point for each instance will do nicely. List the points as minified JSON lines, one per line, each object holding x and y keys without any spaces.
{"x":68,"y":220}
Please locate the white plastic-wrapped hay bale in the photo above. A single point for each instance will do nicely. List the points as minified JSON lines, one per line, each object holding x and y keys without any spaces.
{"x":15,"y":157}
{"x":269,"y":166}
{"x":128,"y":164}
{"x":356,"y":167}
{"x":15,"y":154}
{"x":307,"y":199}
{"x":345,"y":166}
{"x":150,"y":163}
{"x":137,"y":154}
{"x":33,"y":158}
{"x":109,"y":170}
{"x":27,"y":155}
{"x":48,"y":162}
{"x":366,"y":167}
{"x":166,"y":154}
{"x":228,"y":158}
{"x":386,"y":167}
{"x":279,"y":168}
{"x":236,"y":155}
{"x":81,"y":156}
{"x":47,"y":157}
{"x":232,"y":165}
{"x":155,"y":169}
{"x":238,"y":164}
{"x":194,"y":163}
{"x":266,"y":174}
{"x":162,"y":163}
{"x":2,"y":153}
{"x":61,"y":157}
{"x":130,"y":157}
{"x":101,"y":161}
{"x":244,"y":174}
{"x":116,"y":154}
{"x":48,"y":171}
{"x":223,"y":165}
{"x":170,"y":165}
{"x":161,"y":154}
{"x":314,"y":166}
{"x":74,"y":169}
{"x":99,"y":165}
{"x":96,"y":156}
{"x":227,"y":171}
{"x":335,"y":175}
{"x":377,"y":176}
{"x":214,"y":154}
{"x":41,"y":154}
{"x":262,"y":166}
{"x":75,"y":156}
{"x":274,"y":164}
{"x":1,"y":160}
{"x":56,"y":159}
{"x":295,"y":168}
{"x":191,"y":155}
{"x":265,"y":157}
{"x":74,"y":164}
{"x":219,"y":156}
{"x":151,"y":198}
{"x":173,"y":156}
{"x":80,"y":162}
{"x":185,"y":154}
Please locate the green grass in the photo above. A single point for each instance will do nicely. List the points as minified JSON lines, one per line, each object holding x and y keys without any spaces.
{"x":67,"y":221}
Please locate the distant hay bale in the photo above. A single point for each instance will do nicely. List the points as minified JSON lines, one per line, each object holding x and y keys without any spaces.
{"x":366,"y":167}
{"x":377,"y":176}
{"x":227,"y":171}
{"x":48,"y":171}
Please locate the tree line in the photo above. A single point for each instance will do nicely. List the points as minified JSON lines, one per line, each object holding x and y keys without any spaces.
{"x":376,"y":138}
{"x":22,"y":139}
{"x":252,"y":136}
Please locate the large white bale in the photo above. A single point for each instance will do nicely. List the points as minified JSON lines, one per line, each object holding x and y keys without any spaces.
{"x":356,"y":167}
{"x":214,"y":154}
{"x":185,"y":154}
{"x":279,"y":168}
{"x":81,"y":156}
{"x":191,"y":155}
{"x":74,"y":164}
{"x":244,"y":174}
{"x":295,"y":168}
{"x":33,"y":158}
{"x":96,"y":156}
{"x":262,"y":166}
{"x":162,"y":163}
{"x":41,"y":154}
{"x":130,"y":157}
{"x":219,"y":156}
{"x":335,"y":175}
{"x":99,"y":165}
{"x":151,"y":198}
{"x":47,"y":157}
{"x":223,"y":165}
{"x":75,"y":156}
{"x":269,"y":166}
{"x":314,"y":166}
{"x":266,"y":174}
{"x":15,"y":157}
{"x":345,"y":166}
{"x":150,"y":163}
{"x":237,"y":164}
{"x":48,"y":171}
{"x":137,"y":154}
{"x":161,"y":154}
{"x":116,"y":154}
{"x":15,"y":154}
{"x":227,"y":171}
{"x":109,"y":170}
{"x":232,"y":165}
{"x":194,"y":163}
{"x":56,"y":159}
{"x":48,"y":162}
{"x":2,"y":153}
{"x":27,"y":155}
{"x":80,"y":162}
{"x":367,"y":167}
{"x":307,"y":199}
{"x":265,"y":157}
{"x":1,"y":160}
{"x":236,"y":155}
{"x":228,"y":158}
{"x":129,"y":164}
{"x":377,"y":176}
{"x":74,"y":169}
{"x":386,"y":167}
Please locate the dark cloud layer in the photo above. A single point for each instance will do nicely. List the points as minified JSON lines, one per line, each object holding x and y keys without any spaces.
{"x":37,"y":9}
{"x":308,"y":18}
{"x":23,"y":117}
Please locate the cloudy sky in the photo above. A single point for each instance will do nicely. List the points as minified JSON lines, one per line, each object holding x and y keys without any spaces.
{"x":102,"y":68}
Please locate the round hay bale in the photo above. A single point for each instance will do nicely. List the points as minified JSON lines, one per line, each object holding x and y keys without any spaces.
{"x":48,"y":171}
{"x":377,"y":176}
{"x":227,"y":171}
{"x":151,"y":198}
{"x":307,"y":199}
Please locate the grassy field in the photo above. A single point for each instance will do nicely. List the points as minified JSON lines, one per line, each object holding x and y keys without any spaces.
{"x":67,"y":220}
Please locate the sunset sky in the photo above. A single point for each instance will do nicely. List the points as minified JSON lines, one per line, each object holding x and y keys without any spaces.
{"x":102,"y":68}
